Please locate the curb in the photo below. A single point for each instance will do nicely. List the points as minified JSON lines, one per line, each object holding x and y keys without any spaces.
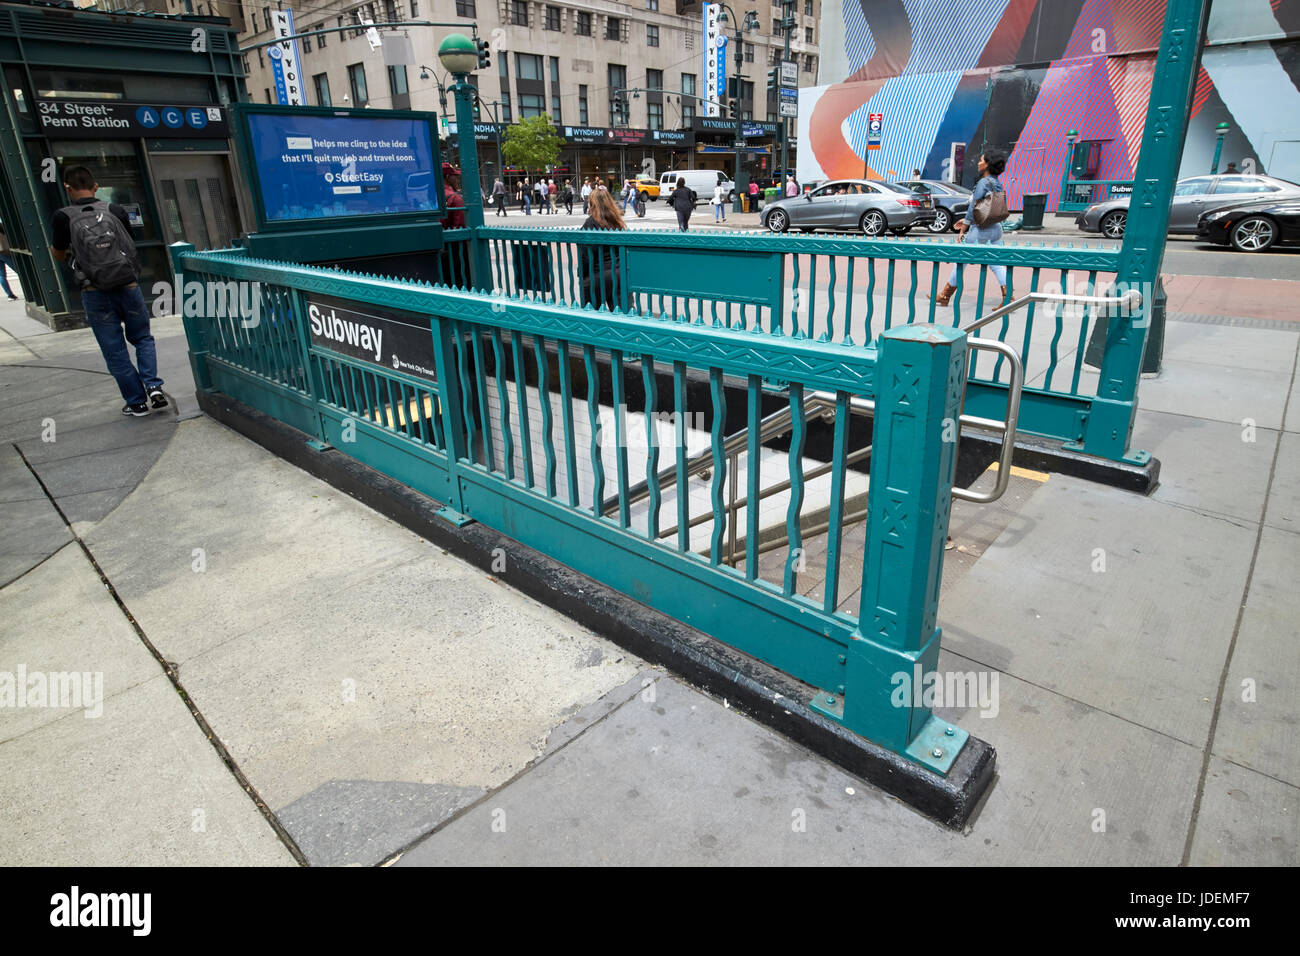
{"x":771,"y":697}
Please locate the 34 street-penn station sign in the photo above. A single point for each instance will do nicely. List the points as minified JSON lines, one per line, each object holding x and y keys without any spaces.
{"x":78,"y":119}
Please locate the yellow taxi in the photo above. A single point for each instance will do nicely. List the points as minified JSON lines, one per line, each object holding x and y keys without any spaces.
{"x":647,"y":187}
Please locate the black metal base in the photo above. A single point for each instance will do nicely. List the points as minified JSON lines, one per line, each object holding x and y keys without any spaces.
{"x":764,"y":693}
{"x":978,"y":450}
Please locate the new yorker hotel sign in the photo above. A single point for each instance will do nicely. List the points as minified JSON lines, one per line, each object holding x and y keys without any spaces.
{"x":85,"y":119}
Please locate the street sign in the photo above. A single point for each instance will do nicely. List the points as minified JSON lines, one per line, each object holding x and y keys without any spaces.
{"x":875,"y":130}
{"x":789,"y":101}
{"x":789,"y":73}
{"x":284,"y":61}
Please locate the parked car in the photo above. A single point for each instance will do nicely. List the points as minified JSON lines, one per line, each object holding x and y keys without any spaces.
{"x":1192,"y":197}
{"x":1252,"y":226}
{"x":950,"y":201}
{"x":871,"y":206}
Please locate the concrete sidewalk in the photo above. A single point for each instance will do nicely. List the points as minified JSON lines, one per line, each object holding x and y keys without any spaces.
{"x":369,"y":697}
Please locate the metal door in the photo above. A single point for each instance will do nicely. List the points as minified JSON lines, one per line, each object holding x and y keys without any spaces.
{"x":195,"y":200}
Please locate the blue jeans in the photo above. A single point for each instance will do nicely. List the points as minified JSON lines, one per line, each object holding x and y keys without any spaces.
{"x":116,"y":318}
{"x":6,"y":261}
{"x":719,"y":213}
{"x":983,"y":235}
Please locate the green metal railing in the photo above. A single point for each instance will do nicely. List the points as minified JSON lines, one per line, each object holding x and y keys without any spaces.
{"x":837,"y":289}
{"x":542,"y":421}
{"x":1078,"y":194}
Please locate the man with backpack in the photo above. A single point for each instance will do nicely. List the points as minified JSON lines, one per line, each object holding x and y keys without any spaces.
{"x":104,"y":261}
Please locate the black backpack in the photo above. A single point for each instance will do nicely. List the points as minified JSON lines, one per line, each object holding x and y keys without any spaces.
{"x":103,"y":253}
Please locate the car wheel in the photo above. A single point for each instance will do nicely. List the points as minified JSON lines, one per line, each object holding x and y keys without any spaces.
{"x":731,"y":198}
{"x":778,"y":221}
{"x":1113,"y":223}
{"x":942,"y":220}
{"x":873,"y":222}
{"x":1254,"y":234}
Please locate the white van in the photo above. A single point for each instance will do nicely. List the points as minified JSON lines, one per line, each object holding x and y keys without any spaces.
{"x":702,"y":181}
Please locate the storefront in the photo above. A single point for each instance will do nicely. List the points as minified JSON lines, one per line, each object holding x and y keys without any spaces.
{"x":609,"y":154}
{"x":153,"y":129}
{"x":715,"y":146}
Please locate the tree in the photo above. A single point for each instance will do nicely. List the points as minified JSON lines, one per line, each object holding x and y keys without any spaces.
{"x":531,"y":143}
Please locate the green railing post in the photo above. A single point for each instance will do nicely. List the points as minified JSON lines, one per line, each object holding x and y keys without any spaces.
{"x":471,"y":188}
{"x":1110,"y":421}
{"x":453,"y":423}
{"x":920,"y":376}
{"x":193,"y":334}
{"x":315,"y":388}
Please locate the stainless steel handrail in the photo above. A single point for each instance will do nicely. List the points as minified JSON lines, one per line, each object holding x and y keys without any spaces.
{"x":1131,"y":299}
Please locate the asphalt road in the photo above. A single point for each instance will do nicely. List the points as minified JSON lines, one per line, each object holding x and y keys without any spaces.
{"x":1184,"y":255}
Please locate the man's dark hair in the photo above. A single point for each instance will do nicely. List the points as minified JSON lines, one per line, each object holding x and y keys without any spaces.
{"x":78,"y":178}
{"x":996,"y":161}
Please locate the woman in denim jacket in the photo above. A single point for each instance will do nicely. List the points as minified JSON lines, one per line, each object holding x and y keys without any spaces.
{"x":991,"y":165}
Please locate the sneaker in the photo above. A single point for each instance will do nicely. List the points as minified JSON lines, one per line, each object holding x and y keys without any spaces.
{"x":139,"y":411}
{"x":156,"y":398}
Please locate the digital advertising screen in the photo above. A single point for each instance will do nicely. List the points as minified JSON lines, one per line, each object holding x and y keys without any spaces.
{"x":321,"y":164}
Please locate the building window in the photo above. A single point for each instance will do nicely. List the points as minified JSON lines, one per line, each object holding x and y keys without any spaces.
{"x":397,"y":80}
{"x":357,"y":80}
{"x":415,"y":9}
{"x":807,"y":35}
{"x":261,"y":63}
{"x":688,"y":105}
{"x":582,"y":105}
{"x":617,"y":81}
{"x":306,"y":44}
{"x":268,"y":95}
{"x":466,"y":8}
{"x":749,"y":53}
{"x":320,"y":37}
{"x":322,"y":83}
{"x":652,"y":4}
{"x":553,"y":18}
{"x":809,"y":64}
{"x":246,"y":70}
{"x":614,"y":28}
{"x":654,"y":79}
{"x":582,"y":26}
{"x":530,"y":104}
{"x":390,"y":11}
{"x":506,"y":117}
{"x":808,"y":8}
{"x":529,"y":67}
{"x":776,"y":28}
{"x":266,"y":16}
{"x":656,"y":114}
{"x":519,"y":12}
{"x":651,"y":35}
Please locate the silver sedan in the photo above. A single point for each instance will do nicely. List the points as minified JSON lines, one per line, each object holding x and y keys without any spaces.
{"x":1192,"y":198}
{"x":871,"y":206}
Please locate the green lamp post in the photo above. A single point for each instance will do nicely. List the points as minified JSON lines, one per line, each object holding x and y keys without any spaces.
{"x":1222,"y":131}
{"x":461,"y":56}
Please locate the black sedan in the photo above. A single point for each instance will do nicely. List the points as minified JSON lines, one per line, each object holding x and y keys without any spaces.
{"x":950,"y":201}
{"x":1252,"y":226}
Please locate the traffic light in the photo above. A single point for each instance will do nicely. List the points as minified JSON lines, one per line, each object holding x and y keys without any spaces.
{"x":773,"y":79}
{"x":731,"y":110}
{"x":484,"y":53}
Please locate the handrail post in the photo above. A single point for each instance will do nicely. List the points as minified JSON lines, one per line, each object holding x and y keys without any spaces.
{"x":920,"y":377}
{"x":454,"y":439}
{"x":1110,"y":420}
{"x":193,"y":333}
{"x":1069,"y":167}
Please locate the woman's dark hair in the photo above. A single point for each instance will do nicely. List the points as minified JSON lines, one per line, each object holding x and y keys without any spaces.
{"x":995,"y":161}
{"x":680,"y":182}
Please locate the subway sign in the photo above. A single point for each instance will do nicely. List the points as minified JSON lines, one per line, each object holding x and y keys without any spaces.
{"x":62,"y":118}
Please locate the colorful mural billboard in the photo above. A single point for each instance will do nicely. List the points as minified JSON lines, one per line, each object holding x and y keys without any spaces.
{"x":1019,"y":75}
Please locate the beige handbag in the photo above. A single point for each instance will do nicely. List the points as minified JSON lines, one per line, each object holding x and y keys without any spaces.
{"x":992,"y":209}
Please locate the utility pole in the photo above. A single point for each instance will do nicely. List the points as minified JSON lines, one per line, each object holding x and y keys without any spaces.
{"x":787,"y":25}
